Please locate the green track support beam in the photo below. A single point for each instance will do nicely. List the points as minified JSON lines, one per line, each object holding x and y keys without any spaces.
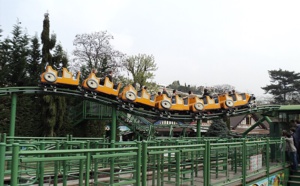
{"x":255,"y":125}
{"x":13,"y":115}
{"x":113,"y":140}
{"x":113,"y":126}
{"x":268,"y":119}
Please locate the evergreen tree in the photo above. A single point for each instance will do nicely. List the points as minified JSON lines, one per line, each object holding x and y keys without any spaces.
{"x":284,"y":86}
{"x":34,"y":62}
{"x":5,"y":57}
{"x":217,"y":129}
{"x":54,"y":108}
{"x":4,"y":102}
{"x":60,"y":56}
{"x":48,"y":43}
{"x":18,"y":60}
{"x":49,"y":110}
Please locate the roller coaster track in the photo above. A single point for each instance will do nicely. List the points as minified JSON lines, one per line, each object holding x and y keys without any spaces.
{"x":113,"y":102}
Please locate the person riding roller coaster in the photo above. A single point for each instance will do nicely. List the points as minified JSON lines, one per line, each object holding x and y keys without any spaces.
{"x":205,"y":93}
{"x":109,"y":75}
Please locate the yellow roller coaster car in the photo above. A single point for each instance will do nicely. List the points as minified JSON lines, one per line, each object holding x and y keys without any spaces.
{"x":210,"y":103}
{"x":145,"y":98}
{"x":163,"y":102}
{"x":142,"y":97}
{"x":236,"y":100}
{"x":226,"y":101}
{"x":64,"y":77}
{"x":178,"y":104}
{"x":129,"y":94}
{"x":104,"y":86}
{"x":203,"y":104}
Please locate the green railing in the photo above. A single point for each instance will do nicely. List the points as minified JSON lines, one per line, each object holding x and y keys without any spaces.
{"x":194,"y":161}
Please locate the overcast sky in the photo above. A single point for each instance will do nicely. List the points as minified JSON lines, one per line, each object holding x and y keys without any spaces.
{"x":196,"y":42}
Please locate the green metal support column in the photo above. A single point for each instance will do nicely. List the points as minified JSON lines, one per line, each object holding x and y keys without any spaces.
{"x":15,"y":165}
{"x":171,"y":131}
{"x":199,"y":122}
{"x":253,"y":126}
{"x":268,"y":157}
{"x":138,"y":167}
{"x":206,"y":171}
{"x":112,"y":143}
{"x":244,"y":164}
{"x":113,"y":126}
{"x":12,"y":126}
{"x":13,"y":115}
{"x":144,"y":162}
{"x":2,"y":163}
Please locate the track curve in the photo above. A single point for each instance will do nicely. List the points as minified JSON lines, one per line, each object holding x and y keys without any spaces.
{"x":6,"y":91}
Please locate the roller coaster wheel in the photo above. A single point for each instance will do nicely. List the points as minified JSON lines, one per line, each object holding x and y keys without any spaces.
{"x":166,"y":104}
{"x":229,"y":103}
{"x":130,"y":95}
{"x":199,"y":106}
{"x":92,"y":84}
{"x":79,"y":88}
{"x":45,"y":88}
{"x":50,"y":77}
{"x":85,"y":94}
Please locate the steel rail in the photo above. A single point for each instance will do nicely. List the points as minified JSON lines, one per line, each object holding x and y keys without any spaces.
{"x":114,"y":102}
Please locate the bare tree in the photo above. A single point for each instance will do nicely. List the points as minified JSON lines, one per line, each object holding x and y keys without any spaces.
{"x":94,"y":51}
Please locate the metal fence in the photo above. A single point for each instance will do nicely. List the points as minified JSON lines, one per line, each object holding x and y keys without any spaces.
{"x":162,"y":162}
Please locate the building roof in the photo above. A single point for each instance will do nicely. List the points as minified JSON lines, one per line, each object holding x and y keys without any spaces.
{"x":179,"y":129}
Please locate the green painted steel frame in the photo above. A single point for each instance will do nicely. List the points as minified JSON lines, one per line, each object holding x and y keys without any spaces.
{"x":144,"y":152}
